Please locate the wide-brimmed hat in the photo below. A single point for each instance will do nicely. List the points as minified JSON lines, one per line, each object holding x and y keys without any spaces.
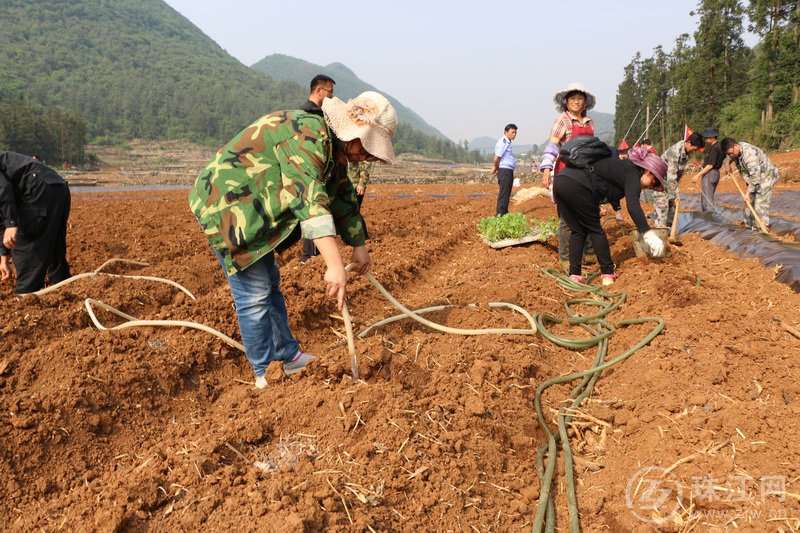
{"x":558,"y":98}
{"x":710,"y":132}
{"x":368,"y":117}
{"x":644,"y":158}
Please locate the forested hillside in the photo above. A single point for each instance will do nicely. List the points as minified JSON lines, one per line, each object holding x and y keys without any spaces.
{"x":713,"y":79}
{"x":112,"y":70}
{"x":130,"y":69}
{"x":348,"y":85}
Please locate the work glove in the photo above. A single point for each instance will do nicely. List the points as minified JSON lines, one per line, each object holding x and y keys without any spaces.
{"x":656,"y":245}
{"x":516,"y":182}
{"x":618,"y":215}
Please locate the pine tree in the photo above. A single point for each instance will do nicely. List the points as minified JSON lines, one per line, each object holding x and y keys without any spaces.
{"x":721,"y":60}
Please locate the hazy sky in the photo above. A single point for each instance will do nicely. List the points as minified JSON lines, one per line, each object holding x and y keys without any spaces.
{"x":467,"y":67}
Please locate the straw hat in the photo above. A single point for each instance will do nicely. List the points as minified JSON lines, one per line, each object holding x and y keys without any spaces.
{"x":558,"y":98}
{"x":368,"y":117}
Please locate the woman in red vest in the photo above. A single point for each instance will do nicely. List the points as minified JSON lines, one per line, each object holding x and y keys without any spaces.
{"x":573,"y":102}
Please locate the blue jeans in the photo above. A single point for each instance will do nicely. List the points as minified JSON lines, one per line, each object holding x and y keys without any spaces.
{"x":261,"y":311}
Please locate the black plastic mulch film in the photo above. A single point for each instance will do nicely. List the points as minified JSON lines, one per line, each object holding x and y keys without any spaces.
{"x":720,"y":228}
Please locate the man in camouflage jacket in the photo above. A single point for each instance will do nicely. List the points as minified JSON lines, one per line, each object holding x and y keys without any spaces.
{"x":676,"y":157}
{"x":760,"y":174}
{"x":266,"y":182}
{"x":258,"y":194}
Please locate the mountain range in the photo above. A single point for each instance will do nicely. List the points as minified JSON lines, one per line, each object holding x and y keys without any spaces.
{"x":142,"y":70}
{"x":131,"y":69}
{"x":139,"y":69}
{"x":348,"y":85}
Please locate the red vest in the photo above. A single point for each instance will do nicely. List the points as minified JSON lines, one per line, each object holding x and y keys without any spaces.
{"x":577,"y":131}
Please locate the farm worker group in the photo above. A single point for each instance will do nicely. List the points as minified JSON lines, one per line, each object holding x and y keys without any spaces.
{"x":580,"y":190}
{"x":579,"y":193}
{"x":301,"y":174}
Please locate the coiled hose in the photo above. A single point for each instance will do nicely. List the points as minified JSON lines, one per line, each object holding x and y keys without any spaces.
{"x":599,"y":330}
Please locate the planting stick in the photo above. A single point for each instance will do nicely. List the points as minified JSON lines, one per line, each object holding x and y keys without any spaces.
{"x":351,"y":347}
{"x":674,"y":231}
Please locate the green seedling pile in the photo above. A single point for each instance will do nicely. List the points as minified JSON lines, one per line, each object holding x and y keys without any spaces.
{"x":515,"y":226}
{"x":508,"y":226}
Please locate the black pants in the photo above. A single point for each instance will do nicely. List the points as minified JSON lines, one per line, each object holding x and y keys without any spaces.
{"x":41,"y":248}
{"x":505,"y":179}
{"x":580,"y":209}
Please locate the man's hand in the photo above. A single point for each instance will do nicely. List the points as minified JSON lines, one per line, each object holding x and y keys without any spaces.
{"x":360,"y":189}
{"x":10,"y":237}
{"x":335,"y":275}
{"x":494,"y":172}
{"x":360,"y":260}
{"x":618,"y":215}
{"x":546,"y":178}
{"x":5,"y":270}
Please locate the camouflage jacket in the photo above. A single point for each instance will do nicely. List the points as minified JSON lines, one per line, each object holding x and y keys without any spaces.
{"x":755,"y":167}
{"x":359,"y":173}
{"x":274,"y":175}
{"x":676,"y":158}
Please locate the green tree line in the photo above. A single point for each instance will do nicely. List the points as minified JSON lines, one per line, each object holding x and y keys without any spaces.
{"x":713,"y":79}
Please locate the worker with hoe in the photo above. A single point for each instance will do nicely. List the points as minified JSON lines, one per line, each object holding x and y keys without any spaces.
{"x":270,"y":185}
{"x":709,"y":174}
{"x":34,"y":208}
{"x":676,"y":157}
{"x":759,"y":172}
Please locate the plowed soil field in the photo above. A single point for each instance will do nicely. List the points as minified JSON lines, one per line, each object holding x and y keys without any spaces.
{"x":160,"y":428}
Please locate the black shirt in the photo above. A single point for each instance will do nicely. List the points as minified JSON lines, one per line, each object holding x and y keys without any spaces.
{"x":311,"y":107}
{"x":624,"y":181}
{"x":714,"y":156}
{"x":22,"y":182}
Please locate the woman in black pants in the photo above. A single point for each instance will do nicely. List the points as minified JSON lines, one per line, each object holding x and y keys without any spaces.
{"x":579,"y":202}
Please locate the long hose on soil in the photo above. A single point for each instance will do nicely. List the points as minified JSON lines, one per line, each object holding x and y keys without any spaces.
{"x":595,"y":324}
{"x":98,"y":271}
{"x":132,"y":321}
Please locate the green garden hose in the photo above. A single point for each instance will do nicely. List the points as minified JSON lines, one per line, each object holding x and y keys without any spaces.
{"x":599,"y":330}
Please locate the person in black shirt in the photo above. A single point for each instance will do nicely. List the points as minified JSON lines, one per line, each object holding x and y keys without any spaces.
{"x":578,"y":194}
{"x":320,"y":88}
{"x":709,"y":174}
{"x":34,"y":208}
